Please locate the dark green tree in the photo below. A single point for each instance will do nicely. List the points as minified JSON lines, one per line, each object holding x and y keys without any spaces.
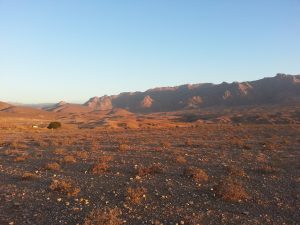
{"x":54,"y":125}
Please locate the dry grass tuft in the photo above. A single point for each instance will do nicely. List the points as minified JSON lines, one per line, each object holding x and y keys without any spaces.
{"x":269,"y":146}
{"x":262,"y":158}
{"x":231,"y":190}
{"x":95,"y":145}
{"x":13,"y":152}
{"x":188,"y":143}
{"x":136,"y":195}
{"x":102,"y":165}
{"x":42,"y":143}
{"x":64,"y":187}
{"x":52,"y":166}
{"x":236,"y":171}
{"x":104,"y":216}
{"x":106,"y":158}
{"x":17,"y":145}
{"x":29,"y":176}
{"x":69,"y":159}
{"x":100,"y":168}
{"x":266,"y":169}
{"x":196,"y":174}
{"x":180,"y":159}
{"x":60,"y":151}
{"x":21,"y":158}
{"x":154,"y":169}
{"x":166,"y":144}
{"x":124,"y":147}
{"x":82,"y":154}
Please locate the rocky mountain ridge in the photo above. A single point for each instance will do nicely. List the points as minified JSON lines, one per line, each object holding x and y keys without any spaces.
{"x":274,"y":90}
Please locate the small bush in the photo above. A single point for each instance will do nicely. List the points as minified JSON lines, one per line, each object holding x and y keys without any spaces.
{"x":106,"y":158}
{"x":231,"y":190}
{"x":13,"y":152}
{"x":21,"y":158}
{"x":266,"y":169}
{"x":69,"y":159}
{"x":180,"y":159}
{"x":60,"y":151}
{"x":100,"y":168}
{"x":64,"y":187}
{"x":54,"y":125}
{"x":29,"y":176}
{"x":166,"y":144}
{"x":52,"y":166}
{"x":82,"y":154}
{"x":104,"y":216}
{"x":95,"y":145}
{"x":154,"y":169}
{"x":236,"y":171}
{"x":196,"y":174}
{"x":123,"y":147}
{"x":15,"y":144}
{"x":102,"y":165}
{"x":188,"y":142}
{"x":136,"y":195}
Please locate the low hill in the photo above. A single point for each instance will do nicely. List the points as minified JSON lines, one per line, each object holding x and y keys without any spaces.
{"x":64,"y":107}
{"x":4,"y":105}
{"x":24,"y":111}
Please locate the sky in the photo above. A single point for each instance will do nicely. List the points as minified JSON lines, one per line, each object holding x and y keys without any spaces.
{"x":72,"y":50}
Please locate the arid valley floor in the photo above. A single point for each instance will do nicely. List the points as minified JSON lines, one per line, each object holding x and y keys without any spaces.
{"x":208,"y":173}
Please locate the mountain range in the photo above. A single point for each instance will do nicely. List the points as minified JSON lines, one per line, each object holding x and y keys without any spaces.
{"x":281,"y":89}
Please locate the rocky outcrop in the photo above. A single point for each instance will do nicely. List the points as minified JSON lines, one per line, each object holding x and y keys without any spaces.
{"x":146,"y":102}
{"x":194,"y":102}
{"x":102,"y":103}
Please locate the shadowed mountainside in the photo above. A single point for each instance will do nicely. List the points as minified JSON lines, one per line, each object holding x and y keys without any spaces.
{"x":280,"y":89}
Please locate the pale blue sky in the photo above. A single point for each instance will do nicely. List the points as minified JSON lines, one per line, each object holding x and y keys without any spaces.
{"x":72,"y":50}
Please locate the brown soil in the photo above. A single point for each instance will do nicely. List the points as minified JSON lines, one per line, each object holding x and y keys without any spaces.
{"x":223,"y":174}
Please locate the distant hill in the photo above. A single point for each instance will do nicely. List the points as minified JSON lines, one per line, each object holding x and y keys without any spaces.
{"x":12,"y":110}
{"x":65,"y":107}
{"x":4,"y":105}
{"x":281,"y":89}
